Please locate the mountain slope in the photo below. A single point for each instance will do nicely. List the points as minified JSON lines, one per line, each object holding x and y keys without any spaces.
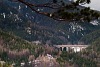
{"x":13,"y":49}
{"x":89,"y":38}
{"x":22,"y":21}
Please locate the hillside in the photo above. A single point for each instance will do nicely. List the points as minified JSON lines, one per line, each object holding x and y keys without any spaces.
{"x":13,"y":49}
{"x":20,"y":20}
{"x":91,"y":37}
{"x":87,"y":58}
{"x":20,"y":27}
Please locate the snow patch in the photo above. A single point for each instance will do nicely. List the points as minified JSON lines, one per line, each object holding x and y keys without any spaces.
{"x":95,"y":22}
{"x":4,"y":15}
{"x":19,"y":7}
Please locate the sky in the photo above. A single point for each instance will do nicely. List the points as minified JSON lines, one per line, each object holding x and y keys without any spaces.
{"x":95,"y":4}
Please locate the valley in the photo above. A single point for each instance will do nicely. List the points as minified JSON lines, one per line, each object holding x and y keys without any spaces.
{"x":28,"y":39}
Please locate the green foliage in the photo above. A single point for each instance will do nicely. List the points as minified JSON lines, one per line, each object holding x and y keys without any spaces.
{"x":14,"y":43}
{"x":74,"y":11}
{"x":89,"y":38}
{"x":15,"y":49}
{"x":75,"y":58}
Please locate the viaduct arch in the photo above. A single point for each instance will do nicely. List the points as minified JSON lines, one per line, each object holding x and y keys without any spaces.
{"x":75,"y":48}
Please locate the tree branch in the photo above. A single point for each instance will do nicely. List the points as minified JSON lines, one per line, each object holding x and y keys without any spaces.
{"x":39,"y":12}
{"x":70,"y":12}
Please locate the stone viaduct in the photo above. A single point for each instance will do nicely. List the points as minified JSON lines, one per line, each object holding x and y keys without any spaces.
{"x":75,"y":48}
